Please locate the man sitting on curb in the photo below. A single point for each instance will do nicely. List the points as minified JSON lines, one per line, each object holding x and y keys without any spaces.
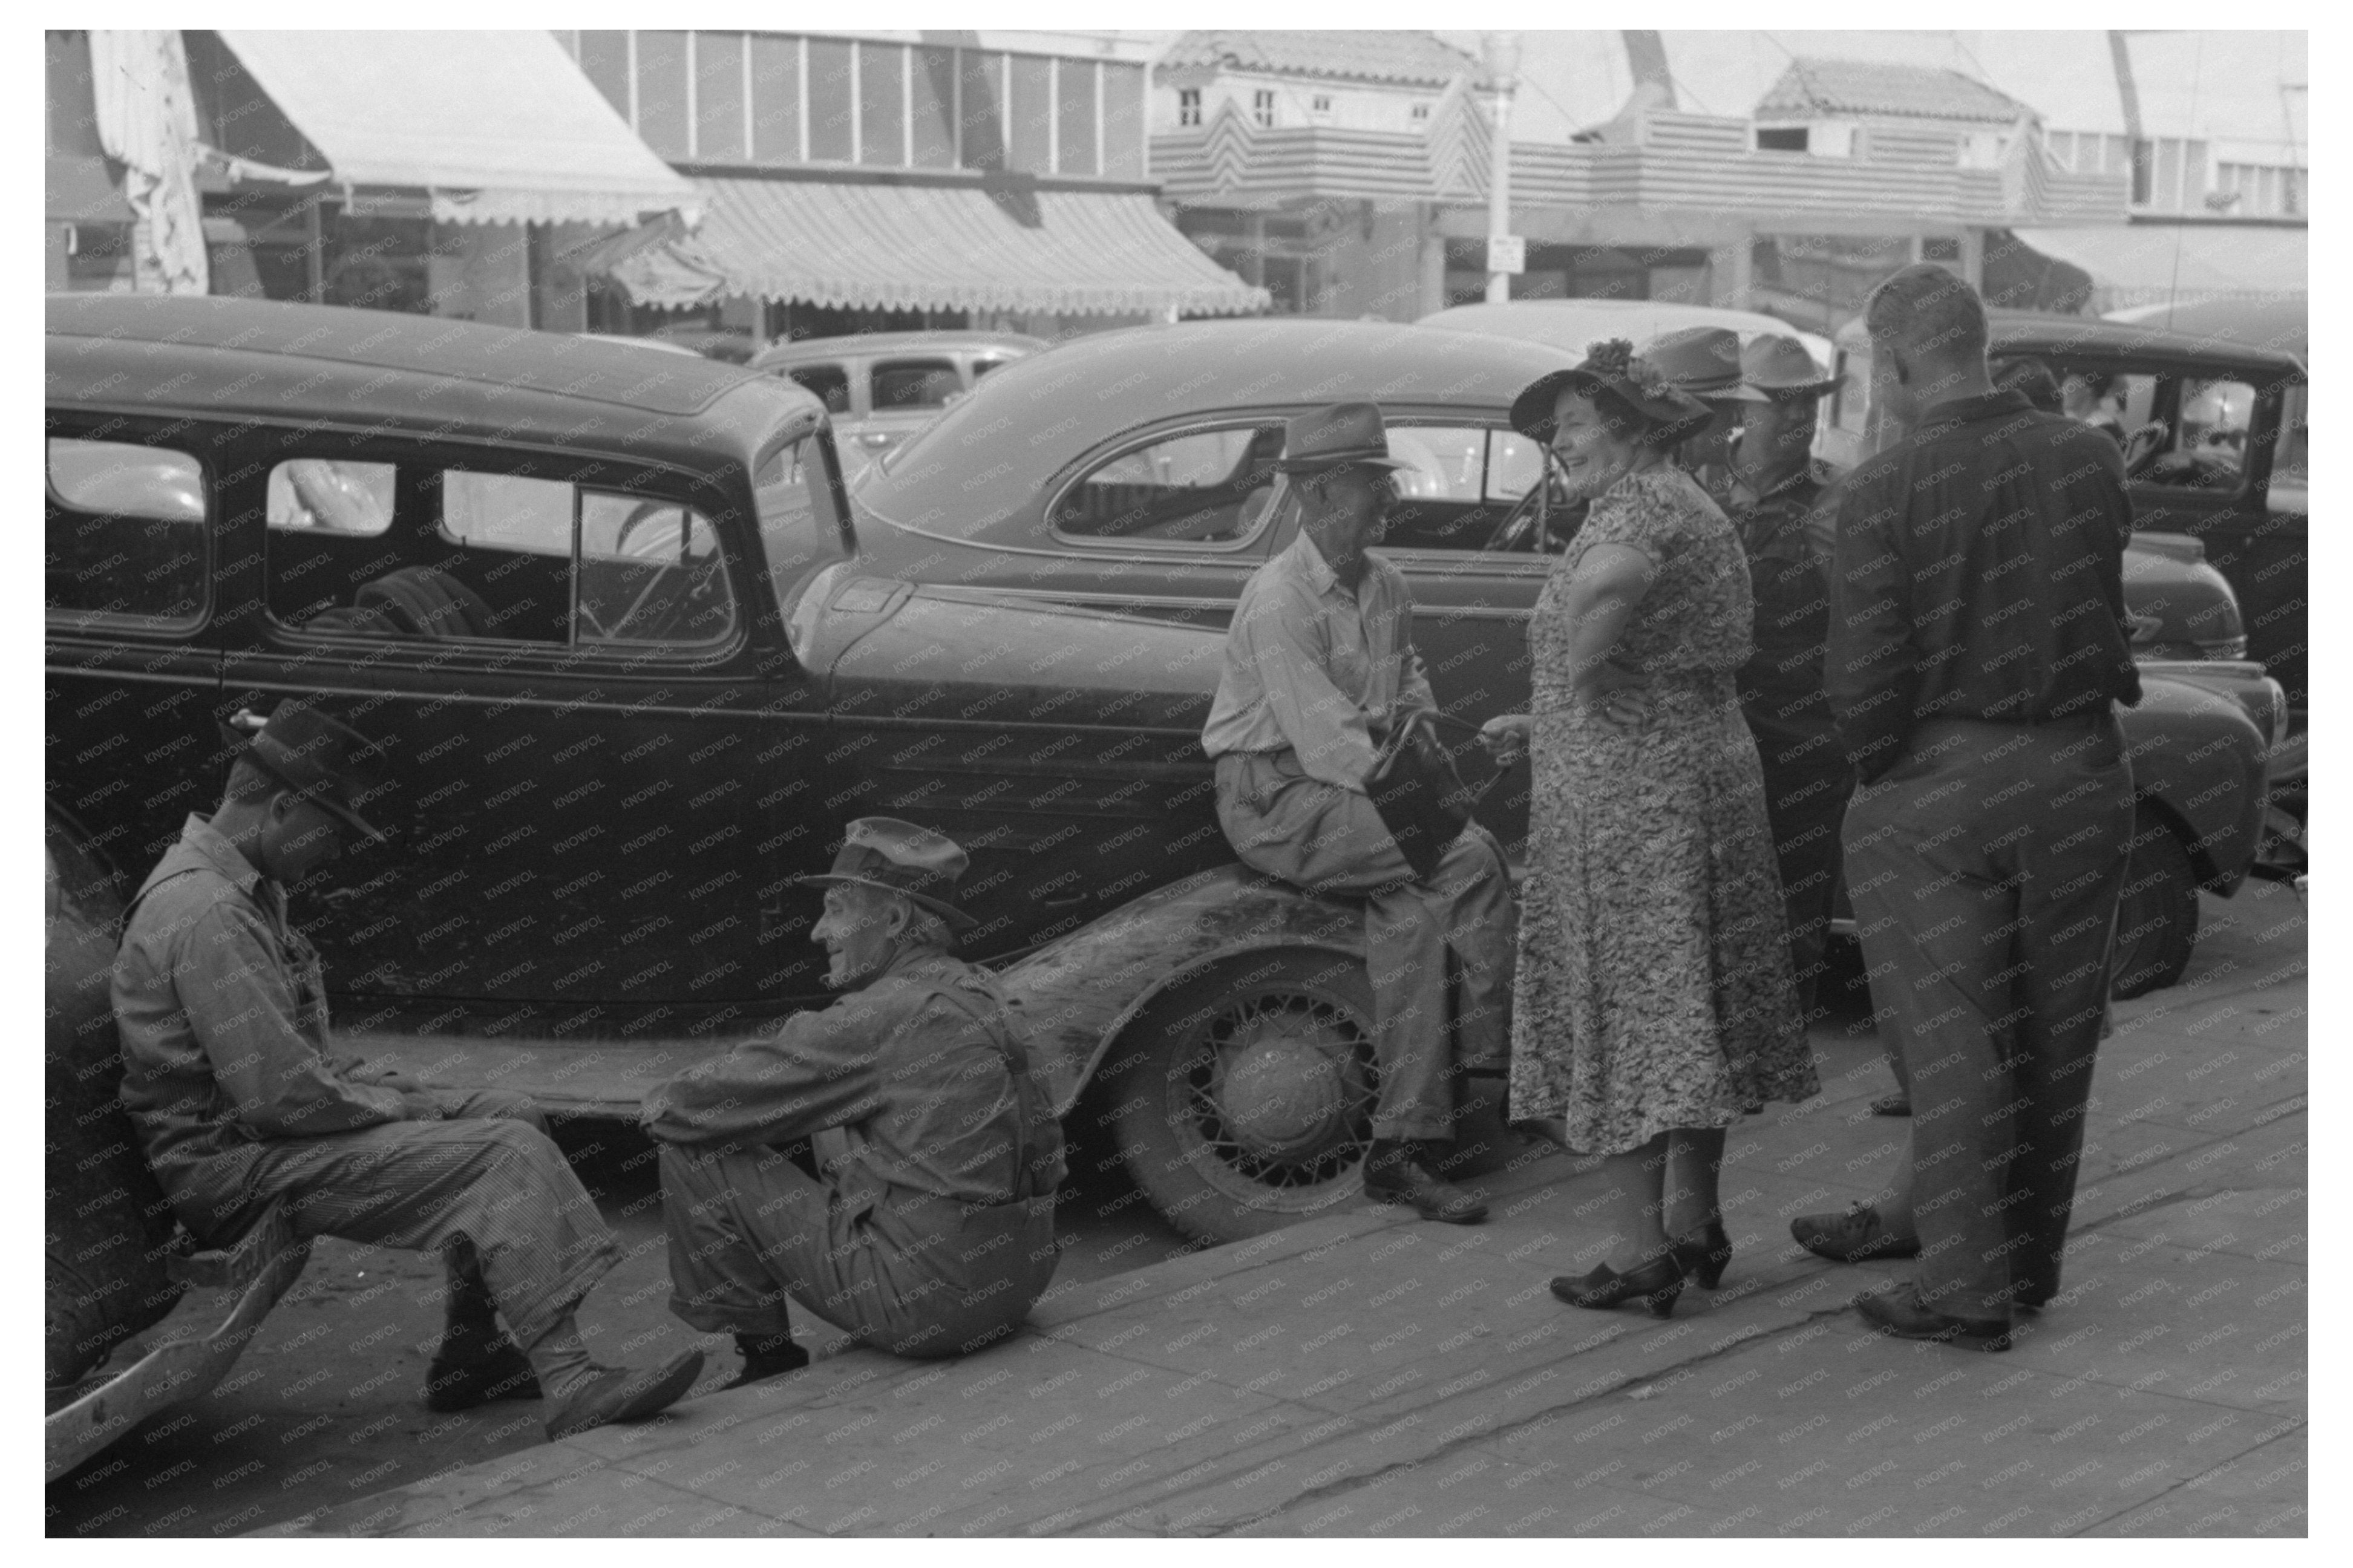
{"x":918,"y":1214}
{"x":222,"y":1013}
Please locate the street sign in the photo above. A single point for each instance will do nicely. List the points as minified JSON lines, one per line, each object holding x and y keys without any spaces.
{"x":1507,"y":253}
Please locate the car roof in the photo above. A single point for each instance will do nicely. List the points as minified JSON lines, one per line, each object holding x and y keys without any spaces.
{"x":270,"y":357}
{"x":1575,"y":324}
{"x":989,"y":451}
{"x":863,"y":343}
{"x":2015,"y":332}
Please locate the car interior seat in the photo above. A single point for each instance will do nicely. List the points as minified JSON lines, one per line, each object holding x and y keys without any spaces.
{"x":421,"y":601}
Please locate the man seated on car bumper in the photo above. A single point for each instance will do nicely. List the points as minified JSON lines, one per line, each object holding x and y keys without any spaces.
{"x":1319,"y":654}
{"x":222,"y":1013}
{"x":919,"y":1213}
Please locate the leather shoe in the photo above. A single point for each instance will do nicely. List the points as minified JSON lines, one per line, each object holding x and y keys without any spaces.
{"x":453,"y":1383}
{"x":1396,"y":1173}
{"x":767,"y":1356}
{"x":1850,"y":1237}
{"x":613,"y":1394}
{"x":1900,"y":1313}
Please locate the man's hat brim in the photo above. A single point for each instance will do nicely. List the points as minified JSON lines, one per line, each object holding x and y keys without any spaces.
{"x":241,"y":744}
{"x":1751,"y":392}
{"x":1676,"y":416}
{"x":955,"y":917}
{"x":1322,"y":461}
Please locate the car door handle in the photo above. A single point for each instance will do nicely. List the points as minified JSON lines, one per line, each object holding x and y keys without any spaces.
{"x":873,"y":438}
{"x":1066,"y":901}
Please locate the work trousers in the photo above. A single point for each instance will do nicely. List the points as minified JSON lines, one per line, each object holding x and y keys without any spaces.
{"x":1331,"y":840}
{"x":916,"y":1275}
{"x":1806,"y":805}
{"x":1985,"y":868}
{"x":486,"y":1175}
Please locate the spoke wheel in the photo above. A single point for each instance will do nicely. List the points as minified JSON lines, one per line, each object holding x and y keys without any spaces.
{"x":1245,"y":1094}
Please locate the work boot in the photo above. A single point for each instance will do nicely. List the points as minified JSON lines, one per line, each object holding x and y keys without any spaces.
{"x":767,"y":1355}
{"x":616,"y":1394}
{"x":1396,"y":1171}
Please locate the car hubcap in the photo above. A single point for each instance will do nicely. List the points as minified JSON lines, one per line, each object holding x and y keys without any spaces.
{"x":1282,"y":1094}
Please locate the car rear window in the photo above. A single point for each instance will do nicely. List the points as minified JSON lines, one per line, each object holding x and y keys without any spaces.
{"x":914,"y":383}
{"x":829,"y":384}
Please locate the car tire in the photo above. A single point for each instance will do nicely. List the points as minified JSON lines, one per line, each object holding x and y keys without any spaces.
{"x":1242,"y":1096}
{"x":2156,"y":918}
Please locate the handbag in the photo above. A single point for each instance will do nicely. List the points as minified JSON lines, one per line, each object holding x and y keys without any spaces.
{"x":1421,"y":797}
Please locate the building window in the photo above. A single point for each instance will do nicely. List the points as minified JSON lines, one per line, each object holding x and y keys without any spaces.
{"x":1262,"y":107}
{"x":1189,"y":105}
{"x":1782,"y":139}
{"x":1419,"y":113}
{"x":1322,"y":105}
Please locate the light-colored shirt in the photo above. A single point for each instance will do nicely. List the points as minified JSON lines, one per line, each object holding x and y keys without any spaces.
{"x":1313,"y":667}
{"x":223,"y":1016}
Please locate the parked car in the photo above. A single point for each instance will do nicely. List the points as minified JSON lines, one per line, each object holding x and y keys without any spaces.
{"x":635,"y":670}
{"x":2214,"y":433}
{"x":660,"y":345}
{"x":881,"y":387}
{"x":1574,"y":324}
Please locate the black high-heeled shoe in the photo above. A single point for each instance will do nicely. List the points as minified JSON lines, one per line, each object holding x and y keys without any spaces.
{"x":1704,"y":1258}
{"x":1655,"y":1284}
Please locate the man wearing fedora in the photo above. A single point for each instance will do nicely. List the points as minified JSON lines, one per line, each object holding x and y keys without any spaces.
{"x":889,"y":1161}
{"x":1319,"y":665}
{"x":222,"y":1009}
{"x":1705,"y":362}
{"x":1782,"y":507}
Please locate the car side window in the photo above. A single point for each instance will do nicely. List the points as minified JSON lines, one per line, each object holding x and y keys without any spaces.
{"x":914,"y":383}
{"x":1204,"y":487}
{"x":124,"y":540}
{"x":829,"y":384}
{"x":465,"y":554}
{"x":981,"y":367}
{"x":1457,"y":485}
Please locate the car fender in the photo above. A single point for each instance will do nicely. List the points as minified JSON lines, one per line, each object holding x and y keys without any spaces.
{"x":2197,"y":754}
{"x":1077,"y":994}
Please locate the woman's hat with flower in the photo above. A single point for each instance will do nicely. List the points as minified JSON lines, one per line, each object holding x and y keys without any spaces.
{"x":1613,"y":367}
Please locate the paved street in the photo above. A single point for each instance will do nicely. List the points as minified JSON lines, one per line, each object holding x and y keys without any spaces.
{"x":1366,"y":1374}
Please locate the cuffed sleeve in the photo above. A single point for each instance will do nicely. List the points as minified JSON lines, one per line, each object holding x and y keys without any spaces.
{"x":817,"y":1070}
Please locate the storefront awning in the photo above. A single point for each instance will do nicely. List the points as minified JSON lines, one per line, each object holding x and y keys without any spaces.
{"x":861,"y":245}
{"x":2148,"y":263}
{"x":496,"y":126}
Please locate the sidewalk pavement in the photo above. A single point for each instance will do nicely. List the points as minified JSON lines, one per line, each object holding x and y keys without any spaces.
{"x":1368,"y":1374}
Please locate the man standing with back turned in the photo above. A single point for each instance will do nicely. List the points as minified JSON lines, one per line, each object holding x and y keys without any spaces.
{"x":1977,"y":652}
{"x":1319,"y":660}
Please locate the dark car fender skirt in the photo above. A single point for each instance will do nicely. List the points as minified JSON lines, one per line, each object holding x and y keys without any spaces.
{"x":1076,"y":994}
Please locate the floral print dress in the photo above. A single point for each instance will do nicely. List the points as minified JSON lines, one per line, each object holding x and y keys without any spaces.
{"x":1653,"y":988}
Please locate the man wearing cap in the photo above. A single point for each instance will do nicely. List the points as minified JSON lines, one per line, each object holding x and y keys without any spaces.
{"x":918,"y":1215}
{"x":1319,"y":662}
{"x":1705,"y":362}
{"x":222,"y":1010}
{"x":1782,"y":510}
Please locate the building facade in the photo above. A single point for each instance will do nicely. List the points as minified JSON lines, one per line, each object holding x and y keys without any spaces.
{"x":1351,"y":181}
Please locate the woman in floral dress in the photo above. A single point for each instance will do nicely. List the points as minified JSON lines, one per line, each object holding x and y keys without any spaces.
{"x":1654,"y":1002}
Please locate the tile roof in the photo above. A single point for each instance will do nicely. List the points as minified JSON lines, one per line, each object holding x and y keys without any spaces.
{"x":1364,"y":56}
{"x":1878,"y":87}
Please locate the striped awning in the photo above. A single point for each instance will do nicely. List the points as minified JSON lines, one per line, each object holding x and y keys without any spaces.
{"x":2153,"y":263}
{"x":494,"y":127}
{"x":875,"y":245}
